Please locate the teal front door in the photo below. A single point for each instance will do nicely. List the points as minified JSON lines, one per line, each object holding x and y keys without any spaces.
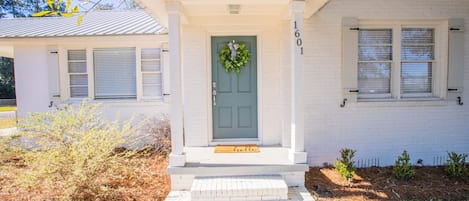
{"x":234,"y":97}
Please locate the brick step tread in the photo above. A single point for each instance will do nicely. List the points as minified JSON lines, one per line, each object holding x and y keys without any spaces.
{"x":257,"y":187}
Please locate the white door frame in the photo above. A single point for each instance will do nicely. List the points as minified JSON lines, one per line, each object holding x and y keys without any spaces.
{"x":234,"y":32}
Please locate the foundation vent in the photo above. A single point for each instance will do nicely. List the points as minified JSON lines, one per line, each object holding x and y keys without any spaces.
{"x":364,"y":163}
{"x":439,"y":160}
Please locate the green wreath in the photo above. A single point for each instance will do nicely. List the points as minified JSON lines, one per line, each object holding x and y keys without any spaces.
{"x":234,"y":56}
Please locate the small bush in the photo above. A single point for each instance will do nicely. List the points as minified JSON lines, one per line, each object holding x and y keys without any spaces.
{"x":72,"y":151}
{"x":345,"y":165}
{"x":159,"y":133}
{"x":402,"y":168}
{"x":456,"y":165}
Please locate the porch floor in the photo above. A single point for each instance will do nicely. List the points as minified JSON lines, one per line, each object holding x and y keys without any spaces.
{"x":206,"y":156}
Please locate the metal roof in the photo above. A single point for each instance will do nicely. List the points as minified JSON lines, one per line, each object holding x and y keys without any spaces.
{"x":96,"y":23}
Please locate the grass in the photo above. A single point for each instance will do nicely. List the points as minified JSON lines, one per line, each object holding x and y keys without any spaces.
{"x":7,"y":123}
{"x":7,"y":108}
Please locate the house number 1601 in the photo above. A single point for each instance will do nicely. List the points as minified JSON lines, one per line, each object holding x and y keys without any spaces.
{"x":299,"y":41}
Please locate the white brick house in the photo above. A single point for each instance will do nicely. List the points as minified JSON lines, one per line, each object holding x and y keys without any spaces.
{"x":377,"y":76}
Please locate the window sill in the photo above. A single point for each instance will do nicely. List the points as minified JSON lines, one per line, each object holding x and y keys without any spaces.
{"x":407,"y":102}
{"x":121,"y":102}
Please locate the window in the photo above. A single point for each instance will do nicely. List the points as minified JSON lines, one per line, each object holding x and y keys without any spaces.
{"x":399,"y":60}
{"x":115,"y":75}
{"x":78,"y":76}
{"x":417,"y":58}
{"x":151,"y":73}
{"x":375,"y":57}
{"x":374,"y":61}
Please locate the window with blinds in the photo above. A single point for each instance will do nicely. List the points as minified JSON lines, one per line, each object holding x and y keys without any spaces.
{"x":417,"y":57}
{"x":151,"y":73}
{"x":401,"y":60}
{"x":115,"y":73}
{"x":78,"y":76}
{"x":374,"y":61}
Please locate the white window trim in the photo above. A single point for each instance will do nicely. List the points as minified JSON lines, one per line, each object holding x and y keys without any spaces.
{"x":439,"y":70}
{"x":141,"y":73}
{"x":65,"y":79}
{"x":69,"y":74}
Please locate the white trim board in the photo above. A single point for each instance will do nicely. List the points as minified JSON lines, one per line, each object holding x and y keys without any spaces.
{"x":217,"y":32}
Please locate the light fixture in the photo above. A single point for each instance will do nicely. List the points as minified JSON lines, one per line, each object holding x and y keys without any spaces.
{"x":234,"y":8}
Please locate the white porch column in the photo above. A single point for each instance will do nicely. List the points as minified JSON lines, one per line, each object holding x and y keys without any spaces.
{"x":177,"y":157}
{"x":297,"y":149}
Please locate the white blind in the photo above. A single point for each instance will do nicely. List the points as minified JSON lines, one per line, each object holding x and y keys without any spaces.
{"x":151,"y":72}
{"x":374,"y":61}
{"x":77,"y":73}
{"x":417,"y":56}
{"x":115,"y":74}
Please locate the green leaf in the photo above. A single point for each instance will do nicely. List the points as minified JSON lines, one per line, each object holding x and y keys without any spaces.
{"x":67,"y":14}
{"x":67,"y":6}
{"x":80,"y":18}
{"x":41,"y":14}
{"x":50,"y":3}
{"x":75,"y":9}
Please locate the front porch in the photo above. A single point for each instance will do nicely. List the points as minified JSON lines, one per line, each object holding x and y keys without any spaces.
{"x":266,"y":175}
{"x":263,"y":104}
{"x":203,"y":161}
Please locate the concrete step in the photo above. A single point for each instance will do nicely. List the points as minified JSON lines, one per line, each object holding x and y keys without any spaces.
{"x":199,"y":169}
{"x":233,"y":188}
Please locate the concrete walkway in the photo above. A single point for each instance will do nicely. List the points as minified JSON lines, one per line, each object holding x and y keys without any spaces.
{"x":294,"y":194}
{"x":7,"y":131}
{"x":9,"y":114}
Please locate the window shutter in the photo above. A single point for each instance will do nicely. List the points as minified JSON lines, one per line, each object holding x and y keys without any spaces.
{"x":455,"y":58}
{"x":349,"y":59}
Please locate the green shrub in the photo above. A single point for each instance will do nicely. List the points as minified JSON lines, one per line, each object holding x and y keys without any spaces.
{"x":345,"y":164}
{"x":456,"y":165}
{"x":402,"y":169}
{"x":73,"y":151}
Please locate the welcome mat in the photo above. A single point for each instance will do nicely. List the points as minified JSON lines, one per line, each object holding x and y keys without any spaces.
{"x":245,"y":148}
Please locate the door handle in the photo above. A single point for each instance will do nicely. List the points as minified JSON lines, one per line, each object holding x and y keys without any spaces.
{"x":214,"y":97}
{"x":214,"y":93}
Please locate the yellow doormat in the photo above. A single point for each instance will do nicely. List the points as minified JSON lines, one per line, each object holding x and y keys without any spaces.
{"x":244,"y":148}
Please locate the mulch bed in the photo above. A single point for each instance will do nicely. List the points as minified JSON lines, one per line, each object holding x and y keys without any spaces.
{"x":429,"y":183}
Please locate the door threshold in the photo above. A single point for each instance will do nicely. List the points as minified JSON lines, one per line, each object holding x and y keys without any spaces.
{"x":235,"y":141}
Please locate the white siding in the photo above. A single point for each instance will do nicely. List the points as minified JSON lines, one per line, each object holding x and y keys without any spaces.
{"x":381,"y":131}
{"x":31,"y":79}
{"x":36,"y":75}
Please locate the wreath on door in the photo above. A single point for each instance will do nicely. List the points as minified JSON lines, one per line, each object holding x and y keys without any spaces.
{"x":234,"y":56}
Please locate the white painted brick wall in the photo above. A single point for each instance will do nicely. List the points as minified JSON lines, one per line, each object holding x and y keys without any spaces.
{"x":376,"y":132}
{"x":196,"y":76}
{"x":195,"y":80}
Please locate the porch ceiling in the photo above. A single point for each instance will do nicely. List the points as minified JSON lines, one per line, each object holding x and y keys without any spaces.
{"x":246,"y":7}
{"x":201,"y":8}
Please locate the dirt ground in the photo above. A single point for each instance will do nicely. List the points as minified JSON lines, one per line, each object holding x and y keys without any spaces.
{"x":325,"y":184}
{"x":150,"y":183}
{"x":429,"y":183}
